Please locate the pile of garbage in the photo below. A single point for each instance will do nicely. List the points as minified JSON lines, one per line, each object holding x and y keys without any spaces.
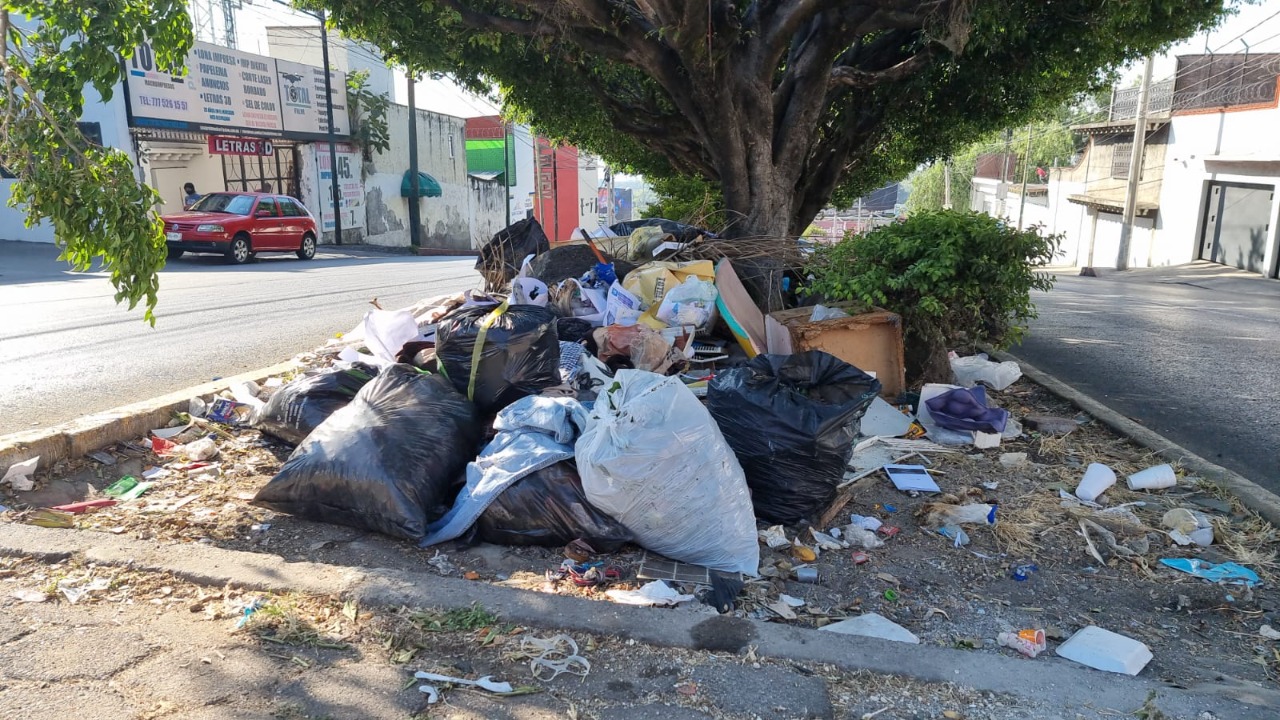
{"x":591,"y":402}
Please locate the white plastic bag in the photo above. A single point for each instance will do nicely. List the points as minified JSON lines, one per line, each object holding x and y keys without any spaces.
{"x":656,"y":461}
{"x":386,"y":331}
{"x":970,"y":370}
{"x":692,"y":302}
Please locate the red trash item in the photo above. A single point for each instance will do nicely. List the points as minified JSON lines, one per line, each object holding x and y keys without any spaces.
{"x":79,"y":507}
{"x":860,"y":558}
{"x":888,"y":530}
{"x":160,"y":446}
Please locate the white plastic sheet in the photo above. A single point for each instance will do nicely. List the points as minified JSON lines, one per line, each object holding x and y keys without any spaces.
{"x":971,"y":370}
{"x":386,"y":331}
{"x":656,"y":462}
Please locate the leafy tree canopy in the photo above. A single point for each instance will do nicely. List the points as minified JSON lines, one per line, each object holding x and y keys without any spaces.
{"x":782,"y":103}
{"x":89,"y":194}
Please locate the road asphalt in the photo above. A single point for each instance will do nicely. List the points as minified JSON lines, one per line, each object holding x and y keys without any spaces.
{"x":68,"y":349}
{"x":1192,"y":353}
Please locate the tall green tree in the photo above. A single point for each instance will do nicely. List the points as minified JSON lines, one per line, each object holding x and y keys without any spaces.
{"x":89,"y":194}
{"x":784,"y":104}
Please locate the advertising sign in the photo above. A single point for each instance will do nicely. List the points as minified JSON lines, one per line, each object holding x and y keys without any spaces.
{"x":231,"y":145}
{"x":302,"y":99}
{"x":224,"y":88}
{"x":350,"y":186}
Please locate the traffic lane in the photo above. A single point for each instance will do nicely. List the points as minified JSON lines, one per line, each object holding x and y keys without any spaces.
{"x":1194,"y":365}
{"x":74,"y":355}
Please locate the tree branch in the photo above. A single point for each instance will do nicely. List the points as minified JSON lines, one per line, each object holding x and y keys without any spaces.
{"x":858,"y":78}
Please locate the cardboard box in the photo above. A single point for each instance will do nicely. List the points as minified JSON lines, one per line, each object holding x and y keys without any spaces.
{"x":870,"y":341}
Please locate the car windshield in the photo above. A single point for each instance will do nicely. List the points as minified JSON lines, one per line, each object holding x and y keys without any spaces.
{"x":224,"y":203}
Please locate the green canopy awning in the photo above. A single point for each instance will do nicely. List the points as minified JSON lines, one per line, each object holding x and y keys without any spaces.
{"x":427,"y":185}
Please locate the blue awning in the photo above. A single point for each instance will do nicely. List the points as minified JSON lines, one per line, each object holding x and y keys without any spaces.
{"x":427,"y":185}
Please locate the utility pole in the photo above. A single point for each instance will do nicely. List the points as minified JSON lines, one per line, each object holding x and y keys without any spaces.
{"x":333,"y":140}
{"x":946,"y":184}
{"x":1135,"y":168}
{"x":1026,"y":166}
{"x":506,"y":170}
{"x":415,"y":220}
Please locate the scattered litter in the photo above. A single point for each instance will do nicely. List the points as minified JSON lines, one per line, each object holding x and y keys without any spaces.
{"x":807,"y":574}
{"x":865,"y":539}
{"x":956,"y":534}
{"x":555,"y":655}
{"x":170,"y":432}
{"x":251,"y":607}
{"x":940,"y":515}
{"x":803,"y":553}
{"x":1104,"y":650}
{"x":103,"y":457}
{"x":1097,"y":478}
{"x":653,"y":567}
{"x":1153,"y":478}
{"x":80,"y":507}
{"x":1188,"y":526}
{"x":775,"y":537}
{"x":202,"y":449}
{"x":1028,"y":642}
{"x":978,"y":368}
{"x":864,"y":522}
{"x":884,"y":420}
{"x":1013,"y":460}
{"x":782,"y":610}
{"x":873,"y":625}
{"x":36,"y":596}
{"x":827,"y":542}
{"x":1022,"y":572}
{"x":485,"y":683}
{"x":1228,"y":572}
{"x":127,"y":488}
{"x":993,"y":485}
{"x":655,"y":593}
{"x":860,"y":558}
{"x":19,"y":475}
{"x":441,"y":563}
{"x":74,"y":592}
{"x":911,"y":478}
{"x":50,"y":519}
{"x":966,"y":410}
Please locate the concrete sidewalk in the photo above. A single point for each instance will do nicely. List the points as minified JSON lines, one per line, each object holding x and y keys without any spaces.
{"x":1201,"y":273}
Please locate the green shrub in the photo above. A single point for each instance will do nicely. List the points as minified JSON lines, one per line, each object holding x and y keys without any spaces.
{"x":958,"y":279}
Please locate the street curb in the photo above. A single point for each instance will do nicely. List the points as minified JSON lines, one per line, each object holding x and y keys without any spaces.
{"x":86,"y":434}
{"x":1048,"y":679}
{"x":1253,"y":496}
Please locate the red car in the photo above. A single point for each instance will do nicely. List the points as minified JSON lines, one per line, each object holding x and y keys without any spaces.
{"x":240,"y":225}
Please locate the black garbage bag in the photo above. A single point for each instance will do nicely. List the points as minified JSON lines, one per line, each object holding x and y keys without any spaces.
{"x":386,"y":462}
{"x":500,"y":258}
{"x":520,"y":353}
{"x":300,"y":406}
{"x":792,"y":422}
{"x":549,"y":508}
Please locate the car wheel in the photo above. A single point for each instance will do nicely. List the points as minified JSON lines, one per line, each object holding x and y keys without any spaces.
{"x":175,"y":253}
{"x":239,"y":252}
{"x":308,"y":248}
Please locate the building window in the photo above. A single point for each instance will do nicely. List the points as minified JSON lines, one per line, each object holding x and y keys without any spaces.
{"x":1121,"y":155}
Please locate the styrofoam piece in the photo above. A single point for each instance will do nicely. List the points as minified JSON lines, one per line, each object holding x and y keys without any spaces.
{"x":1104,"y":650}
{"x":1097,"y":478}
{"x":884,"y":420}
{"x":873,"y":625}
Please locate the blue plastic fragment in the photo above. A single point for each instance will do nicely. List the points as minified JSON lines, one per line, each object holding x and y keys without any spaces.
{"x":1227,"y":572}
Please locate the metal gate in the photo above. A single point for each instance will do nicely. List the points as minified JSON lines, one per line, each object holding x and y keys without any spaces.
{"x":1237,"y":224}
{"x":277,"y":173}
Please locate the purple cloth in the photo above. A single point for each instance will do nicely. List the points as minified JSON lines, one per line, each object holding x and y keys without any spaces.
{"x":965,"y":409}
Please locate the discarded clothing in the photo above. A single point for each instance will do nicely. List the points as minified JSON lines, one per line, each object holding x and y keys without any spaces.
{"x":965,"y":409}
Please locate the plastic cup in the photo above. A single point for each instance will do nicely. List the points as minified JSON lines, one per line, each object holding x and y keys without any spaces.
{"x":1097,"y":478}
{"x":1153,"y":478}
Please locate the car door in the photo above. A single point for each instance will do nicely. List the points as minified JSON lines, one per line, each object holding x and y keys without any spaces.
{"x":267,"y":228}
{"x":292,"y":216}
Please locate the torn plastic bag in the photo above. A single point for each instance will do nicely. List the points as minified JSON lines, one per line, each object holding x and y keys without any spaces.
{"x":792,"y":421}
{"x":500,"y":258}
{"x":386,"y":331}
{"x":549,"y":508}
{"x":497,"y":356}
{"x":965,"y":409}
{"x":385,"y":462}
{"x":655,"y":461}
{"x":299,"y":407}
{"x":515,"y":489}
{"x":971,"y":370}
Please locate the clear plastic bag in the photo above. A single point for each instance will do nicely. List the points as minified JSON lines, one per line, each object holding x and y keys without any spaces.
{"x":656,"y":462}
{"x":692,"y":302}
{"x":969,"y":371}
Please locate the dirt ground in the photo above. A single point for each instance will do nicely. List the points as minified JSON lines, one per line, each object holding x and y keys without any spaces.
{"x":949,"y":596}
{"x":165,"y":648}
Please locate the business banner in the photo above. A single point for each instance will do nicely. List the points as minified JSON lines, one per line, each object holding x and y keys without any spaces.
{"x":350,"y":186}
{"x":233,"y":145}
{"x":302,"y":99}
{"x":224,"y":88}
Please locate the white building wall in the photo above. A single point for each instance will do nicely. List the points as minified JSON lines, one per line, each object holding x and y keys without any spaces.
{"x":526,"y":175}
{"x":1248,"y":135}
{"x":588,"y":192}
{"x":110,"y":115}
{"x":441,"y":154}
{"x":486,"y":214}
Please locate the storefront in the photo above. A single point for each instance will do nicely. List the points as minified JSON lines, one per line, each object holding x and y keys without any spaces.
{"x":234,"y":121}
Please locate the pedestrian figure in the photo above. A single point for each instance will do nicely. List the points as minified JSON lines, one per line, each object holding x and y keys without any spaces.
{"x":189,"y":196}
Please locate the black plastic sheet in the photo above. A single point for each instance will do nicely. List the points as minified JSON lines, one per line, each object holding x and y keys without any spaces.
{"x":500,"y":258}
{"x":385,"y":462}
{"x":792,"y":422}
